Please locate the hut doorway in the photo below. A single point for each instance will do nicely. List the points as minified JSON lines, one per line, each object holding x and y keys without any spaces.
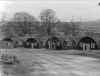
{"x":53,"y":46}
{"x":54,"y":43}
{"x":88,"y":43}
{"x":49,"y":44}
{"x":32,"y":45}
{"x":86,"y":46}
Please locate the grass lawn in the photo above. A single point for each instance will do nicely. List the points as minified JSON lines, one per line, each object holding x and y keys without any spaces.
{"x":21,"y":69}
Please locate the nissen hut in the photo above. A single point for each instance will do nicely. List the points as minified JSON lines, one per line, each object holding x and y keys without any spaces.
{"x":19,"y":42}
{"x":9,"y":43}
{"x":32,"y":43}
{"x":89,"y":43}
{"x":62,"y":43}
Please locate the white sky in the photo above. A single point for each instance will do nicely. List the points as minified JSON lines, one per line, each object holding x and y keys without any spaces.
{"x":87,"y":10}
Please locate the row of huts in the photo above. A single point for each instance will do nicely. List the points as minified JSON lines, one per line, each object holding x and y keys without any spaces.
{"x":56,"y":43}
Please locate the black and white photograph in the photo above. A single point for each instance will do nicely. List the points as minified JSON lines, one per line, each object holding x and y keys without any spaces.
{"x":49,"y":37}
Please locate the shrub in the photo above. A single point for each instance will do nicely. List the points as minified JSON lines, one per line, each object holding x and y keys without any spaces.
{"x":8,"y":62}
{"x":9,"y":59}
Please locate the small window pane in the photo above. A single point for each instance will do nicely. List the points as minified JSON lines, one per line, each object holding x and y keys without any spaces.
{"x":20,"y":43}
{"x":68,"y":43}
{"x":92,"y":45}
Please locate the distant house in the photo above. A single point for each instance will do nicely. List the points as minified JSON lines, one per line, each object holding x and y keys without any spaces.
{"x":62,"y":43}
{"x":89,"y":43}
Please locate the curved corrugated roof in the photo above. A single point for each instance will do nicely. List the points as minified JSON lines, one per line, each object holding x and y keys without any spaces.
{"x":96,"y":39}
{"x":37,"y":39}
{"x":67,"y":38}
{"x":44,"y":39}
{"x":17,"y":39}
{"x":4,"y":39}
{"x":61,"y":40}
{"x":75,"y":38}
{"x":23,"y":38}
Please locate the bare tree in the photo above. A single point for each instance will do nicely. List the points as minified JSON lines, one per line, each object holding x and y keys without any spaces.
{"x":2,"y":17}
{"x":7,"y":30}
{"x":48,"y":17}
{"x":41,"y":30}
{"x":3,"y":23}
{"x":21,"y":24}
{"x":64,"y":27}
{"x":26,"y":23}
{"x":74,"y":27}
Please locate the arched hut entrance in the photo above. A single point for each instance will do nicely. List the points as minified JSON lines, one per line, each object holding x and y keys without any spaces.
{"x":32,"y":43}
{"x":8,"y":43}
{"x":54,"y":43}
{"x":88,"y":43}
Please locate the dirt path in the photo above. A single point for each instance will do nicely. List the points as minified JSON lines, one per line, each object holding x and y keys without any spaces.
{"x":50,"y":64}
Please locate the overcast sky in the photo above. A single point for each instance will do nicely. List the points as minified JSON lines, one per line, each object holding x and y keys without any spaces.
{"x":87,"y":10}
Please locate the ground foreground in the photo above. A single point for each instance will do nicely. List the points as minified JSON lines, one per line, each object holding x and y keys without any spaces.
{"x":35,"y":62}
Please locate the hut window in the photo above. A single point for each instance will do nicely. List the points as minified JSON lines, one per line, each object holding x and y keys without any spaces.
{"x":58,"y":44}
{"x":81,"y":44}
{"x":19,"y":43}
{"x":68,"y":43}
{"x":92,"y":45}
{"x":8,"y":44}
{"x":35,"y":43}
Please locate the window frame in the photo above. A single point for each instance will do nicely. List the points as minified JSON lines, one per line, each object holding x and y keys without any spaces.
{"x":93,"y":45}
